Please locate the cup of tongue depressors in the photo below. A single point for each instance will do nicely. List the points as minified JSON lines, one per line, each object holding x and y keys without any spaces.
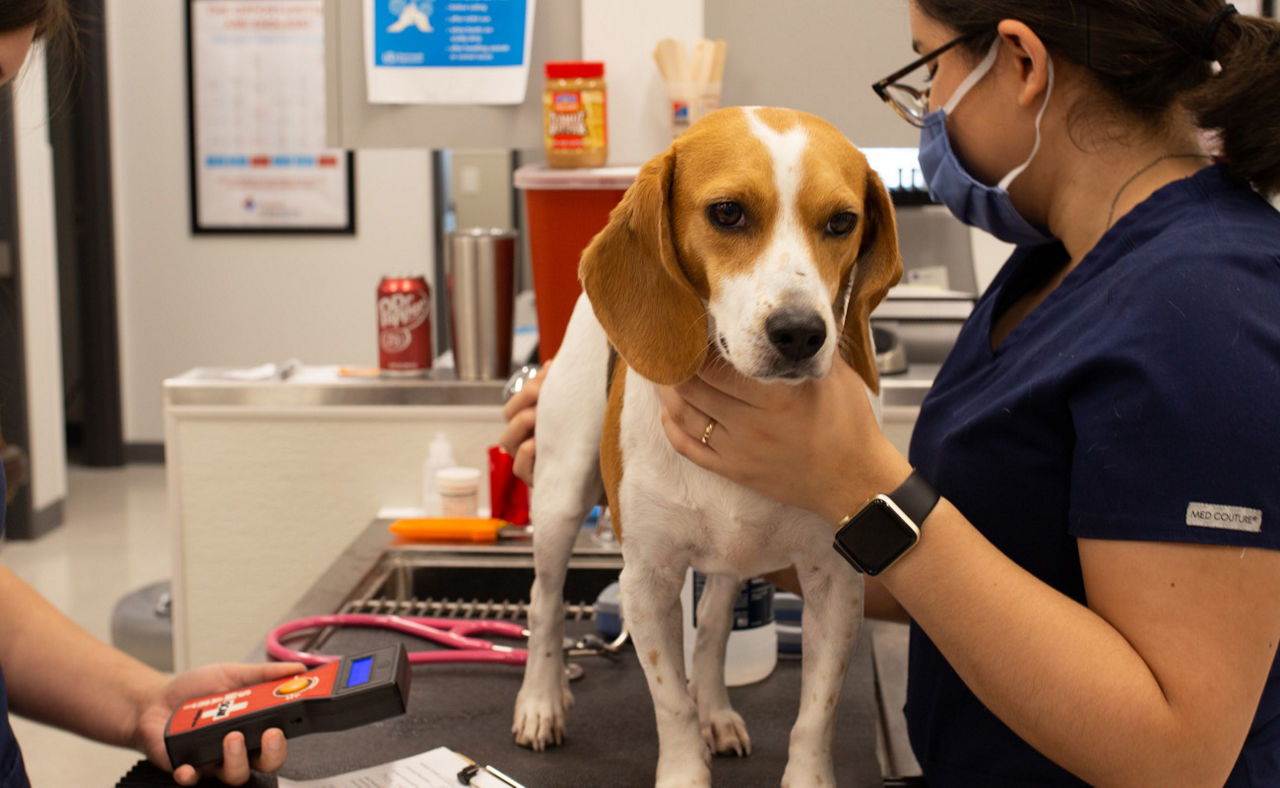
{"x":692,"y":79}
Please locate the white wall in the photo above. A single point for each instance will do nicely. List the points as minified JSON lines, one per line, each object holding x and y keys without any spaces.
{"x":192,"y":301}
{"x":39,"y":286}
{"x":623,"y":35}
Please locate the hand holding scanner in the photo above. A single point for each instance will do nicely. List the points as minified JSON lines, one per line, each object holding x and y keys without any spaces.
{"x":345,"y":693}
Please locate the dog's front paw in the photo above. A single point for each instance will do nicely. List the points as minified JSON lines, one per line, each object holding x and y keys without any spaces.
{"x":722,"y":728}
{"x":725,"y":732}
{"x":539,"y":720}
{"x":686,"y":769}
{"x":809,"y":776}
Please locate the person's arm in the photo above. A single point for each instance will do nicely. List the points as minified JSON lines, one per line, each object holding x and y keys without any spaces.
{"x":1155,"y":683}
{"x":60,"y":675}
{"x":881,"y":604}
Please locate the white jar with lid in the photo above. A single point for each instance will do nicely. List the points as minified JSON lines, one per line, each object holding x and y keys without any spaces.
{"x":459,"y":490}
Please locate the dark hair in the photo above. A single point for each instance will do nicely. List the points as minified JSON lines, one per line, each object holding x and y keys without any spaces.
{"x":51,"y":17}
{"x":1153,"y":56}
{"x":56,"y":28}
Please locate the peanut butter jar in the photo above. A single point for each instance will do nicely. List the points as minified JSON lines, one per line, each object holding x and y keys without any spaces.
{"x":574,"y":113}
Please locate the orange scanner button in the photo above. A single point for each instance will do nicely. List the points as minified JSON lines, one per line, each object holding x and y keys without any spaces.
{"x":297,"y":684}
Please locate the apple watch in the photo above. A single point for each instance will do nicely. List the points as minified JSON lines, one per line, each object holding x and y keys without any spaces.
{"x":884,"y":530}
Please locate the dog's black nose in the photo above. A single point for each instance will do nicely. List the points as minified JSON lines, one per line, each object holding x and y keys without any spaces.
{"x":797,"y":334}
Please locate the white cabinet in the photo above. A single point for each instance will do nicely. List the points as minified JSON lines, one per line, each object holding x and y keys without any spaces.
{"x":269,"y":481}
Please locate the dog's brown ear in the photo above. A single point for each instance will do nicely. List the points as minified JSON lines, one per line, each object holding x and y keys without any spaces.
{"x":878,"y":268}
{"x":650,"y":311}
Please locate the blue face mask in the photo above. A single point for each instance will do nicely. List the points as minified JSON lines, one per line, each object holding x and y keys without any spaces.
{"x":976,"y":204}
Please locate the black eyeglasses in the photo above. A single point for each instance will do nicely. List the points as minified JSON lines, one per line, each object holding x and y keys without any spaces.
{"x":909,"y":102}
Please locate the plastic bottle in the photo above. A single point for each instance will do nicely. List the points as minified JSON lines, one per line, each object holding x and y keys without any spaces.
{"x":439,"y":457}
{"x":752,"y":651}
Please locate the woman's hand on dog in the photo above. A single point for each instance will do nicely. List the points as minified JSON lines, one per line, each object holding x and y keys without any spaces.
{"x":815,"y":444}
{"x":521,"y":414}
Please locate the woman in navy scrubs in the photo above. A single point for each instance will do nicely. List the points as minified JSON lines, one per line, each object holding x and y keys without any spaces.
{"x":1095,"y":599}
{"x":55,"y":672}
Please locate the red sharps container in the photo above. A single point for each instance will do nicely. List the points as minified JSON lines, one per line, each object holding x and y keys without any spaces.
{"x":404,"y":326}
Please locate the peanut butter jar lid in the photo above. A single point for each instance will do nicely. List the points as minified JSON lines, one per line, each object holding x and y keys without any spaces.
{"x":574,"y":69}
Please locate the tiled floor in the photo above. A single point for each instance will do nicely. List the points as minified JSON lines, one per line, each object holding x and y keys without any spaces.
{"x":115,"y":539}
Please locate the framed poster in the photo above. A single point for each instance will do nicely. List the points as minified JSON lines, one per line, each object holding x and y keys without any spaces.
{"x":256,"y":121}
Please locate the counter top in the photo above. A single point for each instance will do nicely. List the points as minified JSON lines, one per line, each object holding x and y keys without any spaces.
{"x":908,"y":389}
{"x":285,"y":386}
{"x":327,"y":386}
{"x":611,"y":737}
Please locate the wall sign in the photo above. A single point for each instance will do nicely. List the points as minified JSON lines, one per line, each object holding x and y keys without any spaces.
{"x":447,"y":51}
{"x":256,"y":105}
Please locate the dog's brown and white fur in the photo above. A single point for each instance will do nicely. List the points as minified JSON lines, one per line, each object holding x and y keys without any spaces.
{"x":737,"y":240}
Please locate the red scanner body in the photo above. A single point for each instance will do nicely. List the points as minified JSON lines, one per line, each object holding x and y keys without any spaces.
{"x":352,"y":691}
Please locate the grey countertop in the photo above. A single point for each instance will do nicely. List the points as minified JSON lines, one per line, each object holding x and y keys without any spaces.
{"x":307,"y":386}
{"x":611,"y":737}
{"x":327,"y":386}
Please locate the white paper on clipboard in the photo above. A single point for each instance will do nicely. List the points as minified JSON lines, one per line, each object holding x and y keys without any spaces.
{"x":447,"y":51}
{"x":436,"y":768}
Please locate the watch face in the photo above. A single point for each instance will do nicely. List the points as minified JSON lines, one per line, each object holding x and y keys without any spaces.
{"x":876,"y":536}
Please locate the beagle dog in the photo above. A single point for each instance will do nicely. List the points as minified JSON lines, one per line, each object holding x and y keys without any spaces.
{"x":763,"y":236}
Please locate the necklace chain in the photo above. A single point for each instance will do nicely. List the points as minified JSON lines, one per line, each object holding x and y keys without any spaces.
{"x":1116,"y":200}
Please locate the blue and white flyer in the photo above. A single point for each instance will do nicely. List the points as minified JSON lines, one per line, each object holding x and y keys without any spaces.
{"x":447,"y":51}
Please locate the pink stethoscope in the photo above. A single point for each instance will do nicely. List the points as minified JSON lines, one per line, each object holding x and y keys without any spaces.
{"x":455,"y":634}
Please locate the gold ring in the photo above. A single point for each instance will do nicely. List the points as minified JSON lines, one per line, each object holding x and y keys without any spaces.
{"x":706,"y":434}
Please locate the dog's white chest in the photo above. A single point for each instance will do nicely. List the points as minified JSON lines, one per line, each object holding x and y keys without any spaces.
{"x":721,"y":525}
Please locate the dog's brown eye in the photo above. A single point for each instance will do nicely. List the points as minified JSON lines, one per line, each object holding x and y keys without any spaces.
{"x":842,"y":223}
{"x":727,"y":215}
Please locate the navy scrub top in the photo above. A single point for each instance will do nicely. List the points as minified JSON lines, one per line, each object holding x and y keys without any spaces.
{"x":1137,"y":402}
{"x":13,"y":773}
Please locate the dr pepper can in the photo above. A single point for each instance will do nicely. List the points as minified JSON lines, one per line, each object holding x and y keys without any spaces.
{"x":404,"y":326}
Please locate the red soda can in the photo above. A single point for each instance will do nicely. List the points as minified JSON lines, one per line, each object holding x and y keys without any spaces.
{"x":404,"y":326}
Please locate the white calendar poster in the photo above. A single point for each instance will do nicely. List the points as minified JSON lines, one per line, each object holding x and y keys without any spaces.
{"x":257,"y":99}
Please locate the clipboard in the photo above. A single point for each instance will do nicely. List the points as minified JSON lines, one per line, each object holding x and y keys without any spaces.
{"x":438,"y":768}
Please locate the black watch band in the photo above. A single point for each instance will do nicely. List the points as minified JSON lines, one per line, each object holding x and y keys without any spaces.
{"x":915,"y":497}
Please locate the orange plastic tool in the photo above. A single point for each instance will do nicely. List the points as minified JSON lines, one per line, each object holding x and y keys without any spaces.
{"x":454,"y":529}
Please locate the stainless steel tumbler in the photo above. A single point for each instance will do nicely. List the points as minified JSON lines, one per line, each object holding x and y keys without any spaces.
{"x":480,"y":273}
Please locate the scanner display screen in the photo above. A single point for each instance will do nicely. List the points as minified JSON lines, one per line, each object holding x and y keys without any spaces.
{"x":359,"y":671}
